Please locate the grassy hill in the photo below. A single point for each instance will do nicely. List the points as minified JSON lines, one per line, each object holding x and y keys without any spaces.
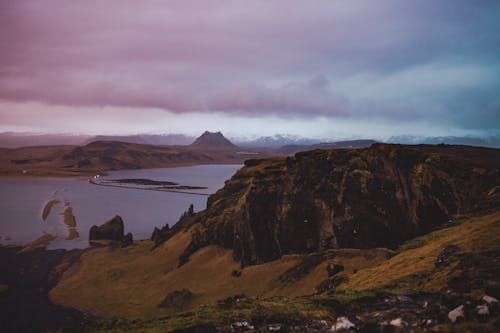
{"x":131,"y":283}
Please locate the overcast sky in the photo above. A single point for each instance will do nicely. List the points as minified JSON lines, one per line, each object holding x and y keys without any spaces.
{"x":324,"y":69}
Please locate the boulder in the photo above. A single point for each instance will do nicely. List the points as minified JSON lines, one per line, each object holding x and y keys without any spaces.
{"x":111,"y":230}
{"x":456,"y":314}
{"x":127,"y":240}
{"x":483,"y":310}
{"x":398,"y":322}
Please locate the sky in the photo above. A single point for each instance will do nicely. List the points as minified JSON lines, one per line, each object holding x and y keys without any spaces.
{"x":319,"y":69}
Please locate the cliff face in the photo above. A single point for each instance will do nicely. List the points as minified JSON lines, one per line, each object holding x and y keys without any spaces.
{"x":359,"y":198}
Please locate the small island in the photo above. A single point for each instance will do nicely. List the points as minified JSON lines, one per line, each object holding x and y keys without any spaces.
{"x":147,"y":184}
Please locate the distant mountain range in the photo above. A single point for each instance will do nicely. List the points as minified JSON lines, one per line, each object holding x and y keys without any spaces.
{"x":16,"y":140}
{"x":275,"y":141}
{"x":285,"y":144}
{"x":100,"y":156}
{"x":491,"y":141}
{"x":103,"y":155}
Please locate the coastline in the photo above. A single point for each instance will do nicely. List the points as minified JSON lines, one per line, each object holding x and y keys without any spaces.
{"x":57,"y":172}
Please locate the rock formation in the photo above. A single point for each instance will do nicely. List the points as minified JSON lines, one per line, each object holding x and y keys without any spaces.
{"x":127,"y":240}
{"x":159,"y":236}
{"x":351,"y":198}
{"x":111,"y":230}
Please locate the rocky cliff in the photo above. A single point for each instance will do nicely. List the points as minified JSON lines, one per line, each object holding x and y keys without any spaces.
{"x":353,"y":198}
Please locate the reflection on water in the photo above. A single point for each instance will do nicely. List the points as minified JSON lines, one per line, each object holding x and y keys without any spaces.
{"x":22,"y":203}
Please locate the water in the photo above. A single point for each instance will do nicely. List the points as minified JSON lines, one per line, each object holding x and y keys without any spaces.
{"x":22,"y":202}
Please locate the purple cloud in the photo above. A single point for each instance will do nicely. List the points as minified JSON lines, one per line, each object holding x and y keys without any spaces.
{"x":253,"y":58}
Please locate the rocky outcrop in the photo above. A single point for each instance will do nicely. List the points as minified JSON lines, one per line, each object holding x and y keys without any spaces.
{"x":160,"y":236}
{"x":176,"y":299}
{"x":128,"y":240}
{"x":111,"y":230}
{"x":354,"y":198}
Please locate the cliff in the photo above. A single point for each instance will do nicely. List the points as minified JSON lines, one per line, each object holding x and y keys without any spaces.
{"x":350,"y":198}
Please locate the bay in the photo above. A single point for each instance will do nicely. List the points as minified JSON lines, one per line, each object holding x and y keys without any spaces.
{"x":22,"y":202}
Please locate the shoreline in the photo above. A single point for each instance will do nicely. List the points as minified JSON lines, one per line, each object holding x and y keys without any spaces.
{"x":77,"y":174}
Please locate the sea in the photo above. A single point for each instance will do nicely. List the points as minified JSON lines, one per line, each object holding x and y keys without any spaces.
{"x":142,"y":208}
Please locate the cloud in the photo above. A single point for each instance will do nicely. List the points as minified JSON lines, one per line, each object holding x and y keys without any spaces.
{"x":385,"y":59}
{"x":313,"y":97}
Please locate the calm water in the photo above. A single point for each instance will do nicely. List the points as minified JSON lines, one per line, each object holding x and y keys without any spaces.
{"x":22,"y":202}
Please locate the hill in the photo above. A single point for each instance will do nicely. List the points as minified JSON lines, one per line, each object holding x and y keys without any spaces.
{"x":18,"y":140}
{"x":375,"y":288}
{"x":209,"y":140}
{"x":347,"y":198}
{"x":102,"y":156}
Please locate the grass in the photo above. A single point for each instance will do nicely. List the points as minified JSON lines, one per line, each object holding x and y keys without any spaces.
{"x":273,"y":310}
{"x":129,"y":283}
{"x":40,"y":242}
{"x":415,"y":259}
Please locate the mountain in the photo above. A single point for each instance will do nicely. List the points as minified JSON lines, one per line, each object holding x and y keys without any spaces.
{"x":209,"y":140}
{"x":148,"y":139}
{"x":275,"y":141}
{"x":350,"y":198}
{"x":100,"y":156}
